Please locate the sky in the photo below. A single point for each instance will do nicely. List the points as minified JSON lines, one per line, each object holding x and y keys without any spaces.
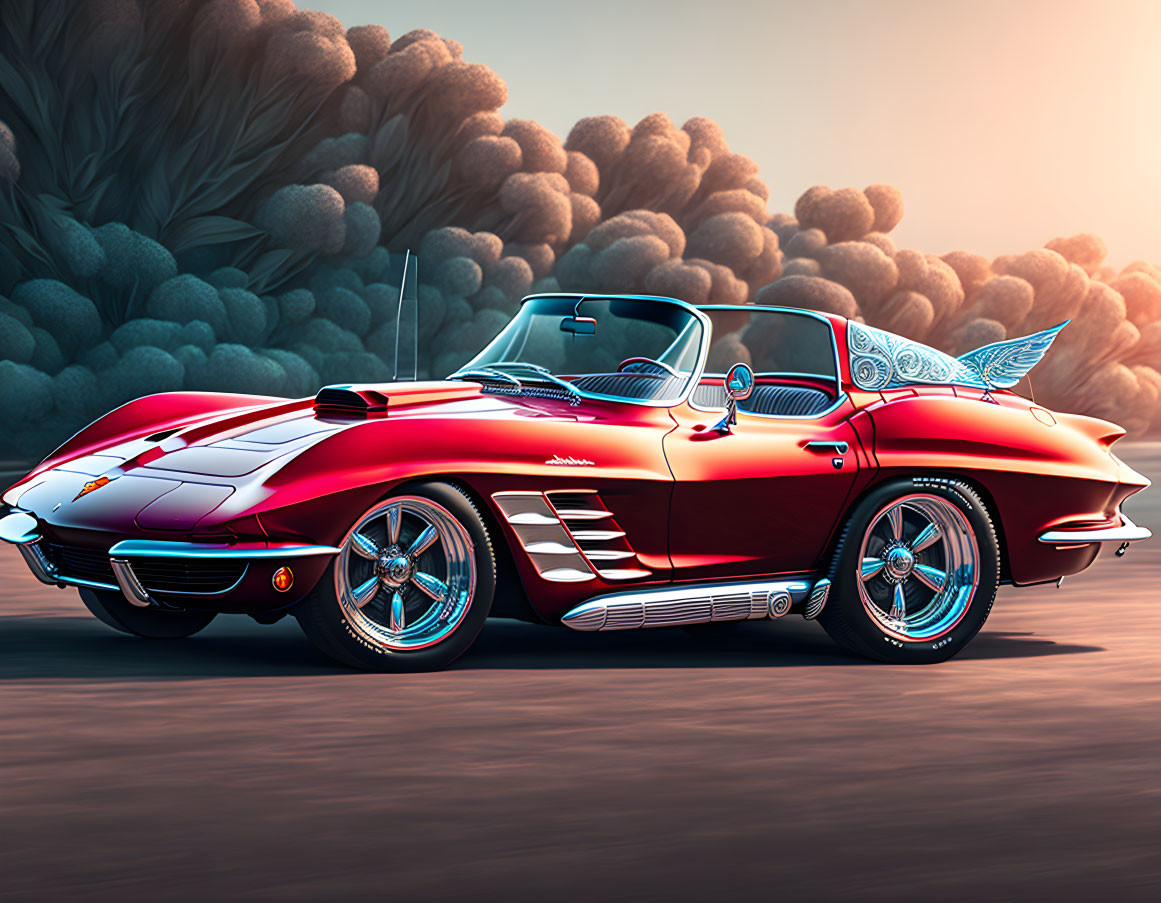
{"x":1004,"y":124}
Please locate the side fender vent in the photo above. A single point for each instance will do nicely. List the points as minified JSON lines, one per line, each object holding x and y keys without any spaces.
{"x":350,"y":400}
{"x":597,"y":535}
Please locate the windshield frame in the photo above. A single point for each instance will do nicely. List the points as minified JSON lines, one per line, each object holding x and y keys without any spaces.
{"x":695,"y":374}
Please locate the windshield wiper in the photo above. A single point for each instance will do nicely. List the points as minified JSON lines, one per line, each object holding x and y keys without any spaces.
{"x":545,"y":374}
{"x":479,"y":374}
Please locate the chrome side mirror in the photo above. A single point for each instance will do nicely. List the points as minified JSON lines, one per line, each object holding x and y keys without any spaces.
{"x":739,"y":383}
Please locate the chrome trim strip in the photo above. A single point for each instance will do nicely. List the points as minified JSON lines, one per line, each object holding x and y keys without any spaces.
{"x":567,"y":575}
{"x":93,"y":584}
{"x":135,"y":594}
{"x":582,"y":514}
{"x":623,"y":573}
{"x":608,"y":554}
{"x":1127,"y":532}
{"x":148,"y":548}
{"x":531,"y":519}
{"x":40,"y":566}
{"x":817,"y":601}
{"x":596,"y":535}
{"x":549,"y":547}
{"x":669,"y":606}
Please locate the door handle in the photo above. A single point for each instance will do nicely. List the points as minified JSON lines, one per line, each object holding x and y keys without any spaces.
{"x":827,"y":445}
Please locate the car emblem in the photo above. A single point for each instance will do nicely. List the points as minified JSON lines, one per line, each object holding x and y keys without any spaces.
{"x":92,"y":485}
{"x":558,"y":461}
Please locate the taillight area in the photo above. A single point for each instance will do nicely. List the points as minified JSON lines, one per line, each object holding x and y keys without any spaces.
{"x":1109,"y":438}
{"x":1102,"y":432}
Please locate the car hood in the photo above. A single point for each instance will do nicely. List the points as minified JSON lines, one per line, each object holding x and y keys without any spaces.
{"x":229,"y":461}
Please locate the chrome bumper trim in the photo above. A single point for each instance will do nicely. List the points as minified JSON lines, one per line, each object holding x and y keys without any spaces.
{"x":1127,"y":532}
{"x":131,"y":588}
{"x":675,"y":606}
{"x":148,"y":548}
{"x":37,"y":563}
{"x":22,"y":530}
{"x":19,"y":527}
{"x":43,"y":570}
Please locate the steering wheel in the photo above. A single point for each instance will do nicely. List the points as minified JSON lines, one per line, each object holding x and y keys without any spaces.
{"x":632,"y":365}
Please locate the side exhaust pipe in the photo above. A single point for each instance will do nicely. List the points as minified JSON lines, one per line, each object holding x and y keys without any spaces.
{"x":699,"y":604}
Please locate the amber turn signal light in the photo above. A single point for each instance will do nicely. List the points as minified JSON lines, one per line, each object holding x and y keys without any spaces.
{"x":283,"y":579}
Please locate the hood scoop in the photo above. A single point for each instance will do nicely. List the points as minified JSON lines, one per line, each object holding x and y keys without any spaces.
{"x":352,"y":400}
{"x":367,"y":399}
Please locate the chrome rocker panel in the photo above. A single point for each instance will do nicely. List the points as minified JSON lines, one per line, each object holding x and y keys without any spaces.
{"x":675,"y":606}
{"x":1127,"y":532}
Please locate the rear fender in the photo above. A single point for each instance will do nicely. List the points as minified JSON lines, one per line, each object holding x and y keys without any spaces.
{"x":1038,"y":468}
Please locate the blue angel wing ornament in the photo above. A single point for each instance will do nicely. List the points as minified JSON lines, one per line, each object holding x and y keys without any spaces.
{"x":1003,"y":364}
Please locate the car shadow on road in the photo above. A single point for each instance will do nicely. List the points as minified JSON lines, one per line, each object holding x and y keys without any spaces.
{"x":83,"y":648}
{"x":792,"y":643}
{"x":34,"y":648}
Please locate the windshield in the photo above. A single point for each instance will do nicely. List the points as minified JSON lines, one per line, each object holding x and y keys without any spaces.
{"x":624,"y":348}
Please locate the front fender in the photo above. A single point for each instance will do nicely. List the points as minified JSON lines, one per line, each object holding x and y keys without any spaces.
{"x":144,"y":416}
{"x":151,"y":413}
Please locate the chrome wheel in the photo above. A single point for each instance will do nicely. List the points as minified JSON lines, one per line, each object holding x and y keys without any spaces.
{"x":919,"y":567}
{"x":406,"y":574}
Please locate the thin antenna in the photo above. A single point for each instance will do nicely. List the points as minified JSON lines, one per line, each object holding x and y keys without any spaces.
{"x":408,"y":291}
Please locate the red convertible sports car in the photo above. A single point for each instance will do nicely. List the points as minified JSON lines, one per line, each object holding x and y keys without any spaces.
{"x":606,"y":463}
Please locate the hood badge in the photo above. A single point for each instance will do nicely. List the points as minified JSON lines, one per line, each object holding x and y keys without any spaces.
{"x":558,"y":461}
{"x":91,"y":486}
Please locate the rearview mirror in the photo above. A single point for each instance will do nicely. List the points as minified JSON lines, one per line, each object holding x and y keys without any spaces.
{"x":579,"y":325}
{"x":739,"y":382}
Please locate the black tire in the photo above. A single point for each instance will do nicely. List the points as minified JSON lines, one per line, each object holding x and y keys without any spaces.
{"x":847,"y":617}
{"x":335,"y":632}
{"x":151,"y":623}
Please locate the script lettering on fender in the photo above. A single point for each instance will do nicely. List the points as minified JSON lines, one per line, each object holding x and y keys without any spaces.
{"x":558,"y":461}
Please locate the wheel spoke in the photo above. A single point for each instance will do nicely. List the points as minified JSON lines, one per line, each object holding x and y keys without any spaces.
{"x":398,"y":618}
{"x":423,"y":542}
{"x":899,"y":605}
{"x":895,"y":519}
{"x":926,"y":537}
{"x":364,"y":547}
{"x":932,"y":578}
{"x":365,"y":592}
{"x":432,"y":586}
{"x":872,"y":566}
{"x":394,"y":513}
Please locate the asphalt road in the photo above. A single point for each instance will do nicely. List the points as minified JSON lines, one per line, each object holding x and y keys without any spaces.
{"x":754,"y":764}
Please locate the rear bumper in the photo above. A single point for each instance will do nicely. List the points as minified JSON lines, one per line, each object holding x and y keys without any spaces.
{"x":235,"y":577}
{"x":1127,"y":531}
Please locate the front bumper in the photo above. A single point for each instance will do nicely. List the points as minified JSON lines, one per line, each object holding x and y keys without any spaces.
{"x":165,"y":574}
